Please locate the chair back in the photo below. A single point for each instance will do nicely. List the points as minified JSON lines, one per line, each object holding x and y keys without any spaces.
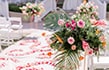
{"x":15,"y":20}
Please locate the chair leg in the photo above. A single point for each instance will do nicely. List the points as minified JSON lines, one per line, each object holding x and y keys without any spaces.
{"x":0,"y":48}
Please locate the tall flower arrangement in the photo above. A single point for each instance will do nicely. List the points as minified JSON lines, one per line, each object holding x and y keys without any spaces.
{"x":79,"y":34}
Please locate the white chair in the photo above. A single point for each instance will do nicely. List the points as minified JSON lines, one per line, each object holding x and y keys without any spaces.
{"x":49,"y":5}
{"x":0,"y":47}
{"x":6,"y":38}
{"x":4,"y":8}
{"x":101,"y":8}
{"x":71,"y":4}
{"x":16,"y":25}
{"x":4,"y":23}
{"x":101,"y":63}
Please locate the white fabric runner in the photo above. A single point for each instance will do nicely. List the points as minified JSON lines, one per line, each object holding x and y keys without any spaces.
{"x":29,"y":54}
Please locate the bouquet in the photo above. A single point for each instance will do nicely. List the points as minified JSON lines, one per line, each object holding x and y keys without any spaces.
{"x":80,"y":33}
{"x":32,"y":9}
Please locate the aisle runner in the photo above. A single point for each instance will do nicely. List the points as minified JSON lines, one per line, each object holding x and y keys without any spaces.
{"x":30,"y":54}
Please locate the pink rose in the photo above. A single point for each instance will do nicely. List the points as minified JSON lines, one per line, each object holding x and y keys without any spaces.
{"x":70,"y":40}
{"x":89,"y":51}
{"x":81,"y":23}
{"x":73,"y":24}
{"x":61,"y":22}
{"x":67,"y":24}
{"x":73,"y":47}
{"x":85,"y":45}
{"x":73,"y":21}
{"x":72,"y":28}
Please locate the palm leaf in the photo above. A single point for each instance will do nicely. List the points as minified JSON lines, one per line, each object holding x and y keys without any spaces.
{"x":67,"y":60}
{"x":50,"y":21}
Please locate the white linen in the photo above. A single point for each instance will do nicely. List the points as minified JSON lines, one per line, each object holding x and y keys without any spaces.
{"x":31,"y":53}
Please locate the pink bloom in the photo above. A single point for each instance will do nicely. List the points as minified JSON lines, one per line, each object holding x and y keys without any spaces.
{"x":73,"y":47}
{"x":85,"y":45}
{"x":81,"y":23}
{"x":67,"y":24}
{"x":89,"y":51}
{"x":70,"y":40}
{"x":61,"y":22}
{"x":100,"y":23}
{"x":73,"y":24}
{"x":73,"y":21}
{"x":72,"y":28}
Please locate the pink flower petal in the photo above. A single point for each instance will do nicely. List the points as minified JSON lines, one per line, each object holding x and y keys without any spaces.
{"x":70,"y":40}
{"x":85,"y":45}
{"x":81,"y":23}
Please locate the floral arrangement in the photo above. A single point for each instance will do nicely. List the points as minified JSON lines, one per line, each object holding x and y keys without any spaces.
{"x":32,"y":9}
{"x":79,"y":34}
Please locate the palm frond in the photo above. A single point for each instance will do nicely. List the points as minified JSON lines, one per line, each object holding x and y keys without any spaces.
{"x":50,"y":21}
{"x":67,"y":60}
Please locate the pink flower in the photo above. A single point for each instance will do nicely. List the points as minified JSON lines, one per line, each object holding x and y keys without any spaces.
{"x":67,"y":24}
{"x":100,"y":23}
{"x":72,"y":28}
{"x":61,"y":22}
{"x":73,"y":21}
{"x":81,"y":23}
{"x":73,"y":24}
{"x":85,"y":45}
{"x":73,"y":47}
{"x":89,"y":51}
{"x":70,"y":40}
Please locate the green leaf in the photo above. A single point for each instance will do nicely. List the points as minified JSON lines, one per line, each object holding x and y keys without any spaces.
{"x":52,"y":18}
{"x":67,"y":60}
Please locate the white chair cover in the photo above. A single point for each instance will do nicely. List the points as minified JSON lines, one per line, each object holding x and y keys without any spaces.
{"x":71,"y":4}
{"x":4,"y":9}
{"x":16,"y":25}
{"x":4,"y":23}
{"x":49,"y":5}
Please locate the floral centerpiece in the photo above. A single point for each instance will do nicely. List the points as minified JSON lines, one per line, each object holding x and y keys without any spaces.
{"x":32,"y":9}
{"x":79,"y":34}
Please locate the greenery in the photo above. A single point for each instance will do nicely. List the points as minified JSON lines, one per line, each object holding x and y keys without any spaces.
{"x":72,"y":36}
{"x":14,"y":8}
{"x":52,"y":19}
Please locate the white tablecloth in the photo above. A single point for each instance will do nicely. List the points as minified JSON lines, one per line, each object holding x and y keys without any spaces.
{"x":31,"y":53}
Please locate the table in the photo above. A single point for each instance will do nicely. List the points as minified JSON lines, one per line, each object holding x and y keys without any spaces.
{"x":31,"y":53}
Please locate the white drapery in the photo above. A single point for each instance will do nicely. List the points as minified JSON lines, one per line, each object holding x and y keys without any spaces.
{"x":4,"y":10}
